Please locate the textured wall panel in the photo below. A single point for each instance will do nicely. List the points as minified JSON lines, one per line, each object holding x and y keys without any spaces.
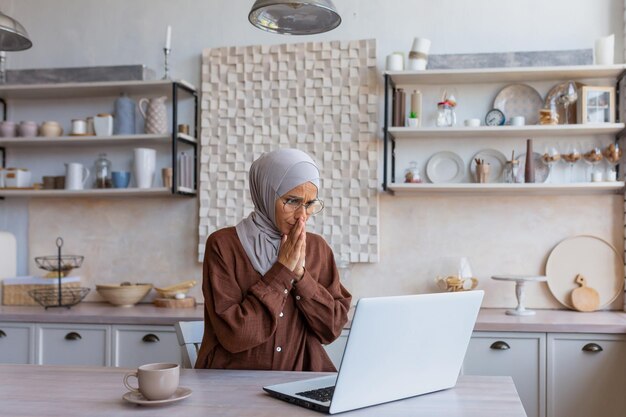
{"x":319,"y":97}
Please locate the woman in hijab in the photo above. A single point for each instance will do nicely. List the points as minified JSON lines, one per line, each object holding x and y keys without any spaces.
{"x":272,"y":292}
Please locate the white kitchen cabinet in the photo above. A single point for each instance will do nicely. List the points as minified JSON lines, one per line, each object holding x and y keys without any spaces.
{"x":137,"y":345}
{"x":17,"y":343}
{"x":586,"y":375}
{"x":519,"y":355}
{"x":73,"y":344}
{"x":336,"y":348}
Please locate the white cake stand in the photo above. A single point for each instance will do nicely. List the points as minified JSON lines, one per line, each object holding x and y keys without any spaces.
{"x":520,"y":310}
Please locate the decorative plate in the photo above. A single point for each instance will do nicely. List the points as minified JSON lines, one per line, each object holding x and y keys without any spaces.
{"x":519,"y":100}
{"x":445,"y":167}
{"x":552,"y":100}
{"x":595,"y":259}
{"x":542,"y":171}
{"x":496,"y":161}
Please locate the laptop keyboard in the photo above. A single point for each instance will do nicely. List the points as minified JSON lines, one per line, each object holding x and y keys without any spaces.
{"x":320,"y":394}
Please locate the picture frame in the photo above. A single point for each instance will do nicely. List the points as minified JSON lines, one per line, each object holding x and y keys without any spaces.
{"x":596,"y":104}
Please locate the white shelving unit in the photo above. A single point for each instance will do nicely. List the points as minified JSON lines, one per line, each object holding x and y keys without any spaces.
{"x":496,"y":75}
{"x":100,"y":192}
{"x":516,"y":132}
{"x":21,"y":142}
{"x":510,"y":189}
{"x":394,"y":135}
{"x":85,"y":90}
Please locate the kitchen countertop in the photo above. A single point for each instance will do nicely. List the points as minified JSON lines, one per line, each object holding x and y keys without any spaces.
{"x":37,"y":390}
{"x":102,"y":313}
{"x":489,"y":319}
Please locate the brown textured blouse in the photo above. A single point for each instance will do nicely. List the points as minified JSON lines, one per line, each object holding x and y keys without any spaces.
{"x":266,"y":322}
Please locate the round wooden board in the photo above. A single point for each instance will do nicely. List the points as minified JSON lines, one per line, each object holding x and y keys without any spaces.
{"x":188,"y":302}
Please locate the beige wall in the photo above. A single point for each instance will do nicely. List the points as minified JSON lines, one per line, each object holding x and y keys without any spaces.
{"x":155,"y":240}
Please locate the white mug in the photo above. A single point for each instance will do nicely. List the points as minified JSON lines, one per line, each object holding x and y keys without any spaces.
{"x":421,"y":45}
{"x":518,"y":121}
{"x":144,"y":167}
{"x":472,"y":122}
{"x":75,"y":176}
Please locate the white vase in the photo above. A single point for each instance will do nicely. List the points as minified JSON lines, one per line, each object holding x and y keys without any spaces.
{"x":144,"y":167}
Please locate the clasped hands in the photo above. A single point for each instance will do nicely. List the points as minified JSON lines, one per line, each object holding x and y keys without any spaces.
{"x":293,"y":249}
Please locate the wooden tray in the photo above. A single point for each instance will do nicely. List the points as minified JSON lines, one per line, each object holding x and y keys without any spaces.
{"x":188,"y":302}
{"x":595,"y":259}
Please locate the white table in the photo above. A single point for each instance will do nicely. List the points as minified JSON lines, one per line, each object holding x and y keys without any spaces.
{"x":29,"y":390}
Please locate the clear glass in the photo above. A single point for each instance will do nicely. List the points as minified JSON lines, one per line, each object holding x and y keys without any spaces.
{"x":102,"y":169}
{"x":568,"y":98}
{"x":551,"y":156}
{"x":511,"y":170}
{"x":612,"y":155}
{"x":571,"y":156}
{"x":593,"y":156}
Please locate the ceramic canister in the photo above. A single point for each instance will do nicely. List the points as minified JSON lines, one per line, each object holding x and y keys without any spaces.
{"x":8,"y":129}
{"x":124,"y":120}
{"x":27,"y":129}
{"x":103,"y":124}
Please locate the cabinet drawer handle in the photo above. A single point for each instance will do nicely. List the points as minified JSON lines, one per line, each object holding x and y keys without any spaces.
{"x":73,"y":336}
{"x":151,"y":338}
{"x":592,"y":347}
{"x":500,"y":345}
{"x":2,"y":334}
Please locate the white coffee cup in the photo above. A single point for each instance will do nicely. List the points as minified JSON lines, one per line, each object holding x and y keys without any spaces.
{"x":472,"y":122}
{"x":144,"y":167}
{"x":76,"y":176}
{"x":421,"y":45}
{"x":395,"y":62}
{"x":155,"y":381}
{"x":518,"y":121}
{"x":604,"y":49}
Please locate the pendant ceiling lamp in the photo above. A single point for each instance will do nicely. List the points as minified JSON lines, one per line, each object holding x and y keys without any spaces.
{"x":292,"y":17}
{"x":13,"y":36}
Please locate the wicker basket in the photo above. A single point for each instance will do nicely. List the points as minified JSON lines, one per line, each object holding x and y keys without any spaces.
{"x":17,"y":294}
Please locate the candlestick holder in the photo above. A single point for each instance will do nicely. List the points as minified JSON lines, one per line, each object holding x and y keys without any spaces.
{"x":519,"y":280}
{"x":166,"y":53}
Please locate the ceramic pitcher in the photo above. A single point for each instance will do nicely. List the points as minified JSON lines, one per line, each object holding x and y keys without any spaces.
{"x":155,"y":114}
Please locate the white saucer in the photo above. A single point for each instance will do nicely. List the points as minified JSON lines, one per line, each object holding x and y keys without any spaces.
{"x":136,"y":397}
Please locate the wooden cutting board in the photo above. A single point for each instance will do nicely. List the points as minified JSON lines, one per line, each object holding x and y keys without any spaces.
{"x":585,"y":298}
{"x":188,"y":302}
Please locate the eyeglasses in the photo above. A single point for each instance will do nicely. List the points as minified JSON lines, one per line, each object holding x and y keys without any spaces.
{"x":313,"y":207}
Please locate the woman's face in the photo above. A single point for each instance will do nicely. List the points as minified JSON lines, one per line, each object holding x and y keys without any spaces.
{"x":286,"y":217}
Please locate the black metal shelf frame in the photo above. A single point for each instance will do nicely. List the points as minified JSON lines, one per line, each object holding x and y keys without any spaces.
{"x":176,"y":86}
{"x":387,"y":153}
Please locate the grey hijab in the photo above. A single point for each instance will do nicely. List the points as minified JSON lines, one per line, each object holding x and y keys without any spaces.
{"x":272,"y":175}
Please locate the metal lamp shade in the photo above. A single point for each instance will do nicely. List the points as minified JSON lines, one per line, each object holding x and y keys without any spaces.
{"x":291,"y":17}
{"x":13,"y":36}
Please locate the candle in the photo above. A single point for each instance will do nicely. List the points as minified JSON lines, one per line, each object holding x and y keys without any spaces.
{"x":168,"y":37}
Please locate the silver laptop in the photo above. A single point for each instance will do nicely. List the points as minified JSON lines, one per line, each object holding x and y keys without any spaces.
{"x":398,"y":347}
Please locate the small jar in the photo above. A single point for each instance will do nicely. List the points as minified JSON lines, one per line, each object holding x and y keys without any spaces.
{"x":103,"y":172}
{"x":446,"y":117}
{"x":412,"y":174}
